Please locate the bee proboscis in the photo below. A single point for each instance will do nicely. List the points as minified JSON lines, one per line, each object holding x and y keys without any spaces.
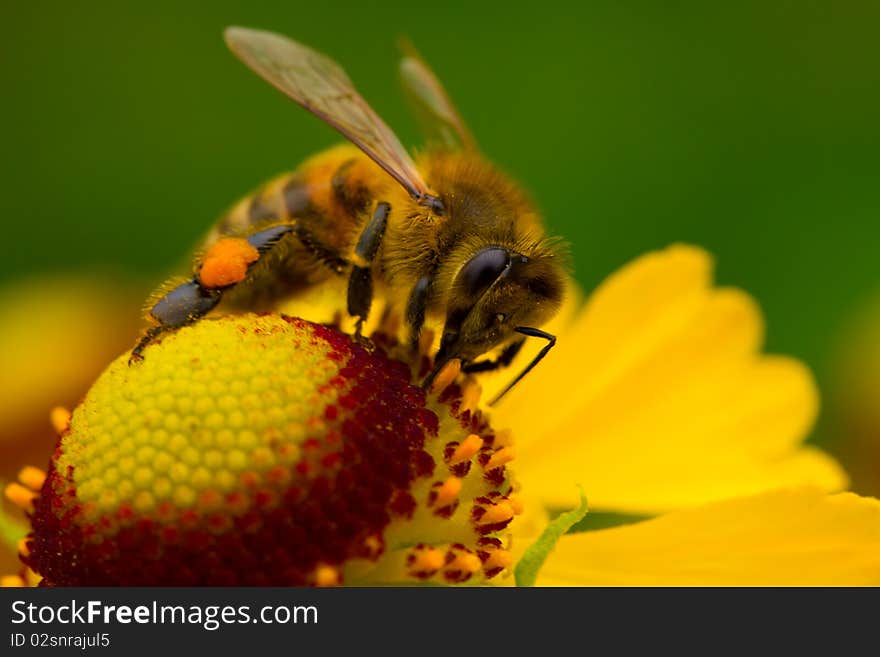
{"x":446,"y":237}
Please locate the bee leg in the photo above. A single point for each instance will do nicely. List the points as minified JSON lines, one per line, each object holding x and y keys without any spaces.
{"x":181,"y":306}
{"x":192,"y":300}
{"x":360,"y":282}
{"x":504,"y":359}
{"x":137,"y":354}
{"x":264,"y":240}
{"x":416,"y":307}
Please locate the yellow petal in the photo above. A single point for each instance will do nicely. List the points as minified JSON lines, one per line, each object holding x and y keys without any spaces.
{"x":658,"y":398}
{"x":786,"y":537}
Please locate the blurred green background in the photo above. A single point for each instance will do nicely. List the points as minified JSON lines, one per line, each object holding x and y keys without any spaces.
{"x":751,"y":129}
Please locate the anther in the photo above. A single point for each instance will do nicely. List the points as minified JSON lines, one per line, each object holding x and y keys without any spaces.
{"x":497,"y":561}
{"x":446,"y":376}
{"x":327,"y":576}
{"x":59,"y":417}
{"x":424,"y":562}
{"x":20,"y":496}
{"x":373,"y":546}
{"x":500,"y":457}
{"x":466,"y":562}
{"x":501,"y":512}
{"x":32,"y":477}
{"x":447,"y":492}
{"x":466,"y":450}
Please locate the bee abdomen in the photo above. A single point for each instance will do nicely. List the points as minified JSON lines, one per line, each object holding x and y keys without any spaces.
{"x":350,"y":195}
{"x":327,"y":199}
{"x":283,"y":198}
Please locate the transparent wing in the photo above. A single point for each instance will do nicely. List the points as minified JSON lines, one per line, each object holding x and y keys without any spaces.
{"x":321,"y":86}
{"x":435,"y":108}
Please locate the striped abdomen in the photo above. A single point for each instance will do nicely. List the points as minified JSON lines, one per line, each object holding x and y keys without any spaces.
{"x":327,"y":200}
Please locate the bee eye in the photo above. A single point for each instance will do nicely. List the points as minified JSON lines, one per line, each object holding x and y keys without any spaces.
{"x":483,"y":269}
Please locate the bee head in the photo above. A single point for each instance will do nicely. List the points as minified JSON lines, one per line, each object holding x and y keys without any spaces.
{"x":495,"y":292}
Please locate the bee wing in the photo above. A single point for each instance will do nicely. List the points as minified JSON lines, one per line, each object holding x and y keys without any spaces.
{"x":321,"y":86}
{"x":433,"y":104}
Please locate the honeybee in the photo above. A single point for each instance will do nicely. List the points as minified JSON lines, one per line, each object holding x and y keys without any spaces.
{"x":448,"y":237}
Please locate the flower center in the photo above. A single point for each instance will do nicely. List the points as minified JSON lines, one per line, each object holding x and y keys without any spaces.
{"x":260,"y":449}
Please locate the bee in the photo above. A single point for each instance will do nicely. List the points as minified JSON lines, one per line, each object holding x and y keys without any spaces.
{"x":445,"y":238}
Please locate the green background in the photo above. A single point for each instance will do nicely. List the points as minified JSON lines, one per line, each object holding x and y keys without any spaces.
{"x":751,"y":128}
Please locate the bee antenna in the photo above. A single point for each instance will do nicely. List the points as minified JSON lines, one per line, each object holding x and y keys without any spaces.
{"x":532,"y":333}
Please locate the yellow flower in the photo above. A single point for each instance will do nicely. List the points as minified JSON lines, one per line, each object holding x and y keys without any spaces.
{"x":659,"y":398}
{"x":266,"y":450}
{"x":260,"y":450}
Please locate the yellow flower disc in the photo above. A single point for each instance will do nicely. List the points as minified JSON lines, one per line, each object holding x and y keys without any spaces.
{"x":260,"y":449}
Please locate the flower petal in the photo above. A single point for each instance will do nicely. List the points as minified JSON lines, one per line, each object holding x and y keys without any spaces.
{"x":782,"y":538}
{"x":659,"y":399}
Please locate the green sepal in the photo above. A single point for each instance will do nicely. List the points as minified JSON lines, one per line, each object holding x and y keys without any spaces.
{"x":526,"y":571}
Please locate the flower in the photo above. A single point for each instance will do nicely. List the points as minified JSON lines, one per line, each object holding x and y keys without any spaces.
{"x":267,"y":450}
{"x":661,"y":402}
{"x":263,"y":449}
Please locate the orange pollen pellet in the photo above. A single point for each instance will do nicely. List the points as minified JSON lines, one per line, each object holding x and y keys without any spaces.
{"x":11,"y":581}
{"x":427,"y":561}
{"x":447,"y":492}
{"x":446,"y":376}
{"x":502,"y":456}
{"x":327,"y":576}
{"x":470,"y":396}
{"x":498,"y":559}
{"x":32,"y":477}
{"x":20,"y":496}
{"x":466,"y":562}
{"x":226,"y":262}
{"x":466,"y":450}
{"x":501,"y":512}
{"x":59,"y":417}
